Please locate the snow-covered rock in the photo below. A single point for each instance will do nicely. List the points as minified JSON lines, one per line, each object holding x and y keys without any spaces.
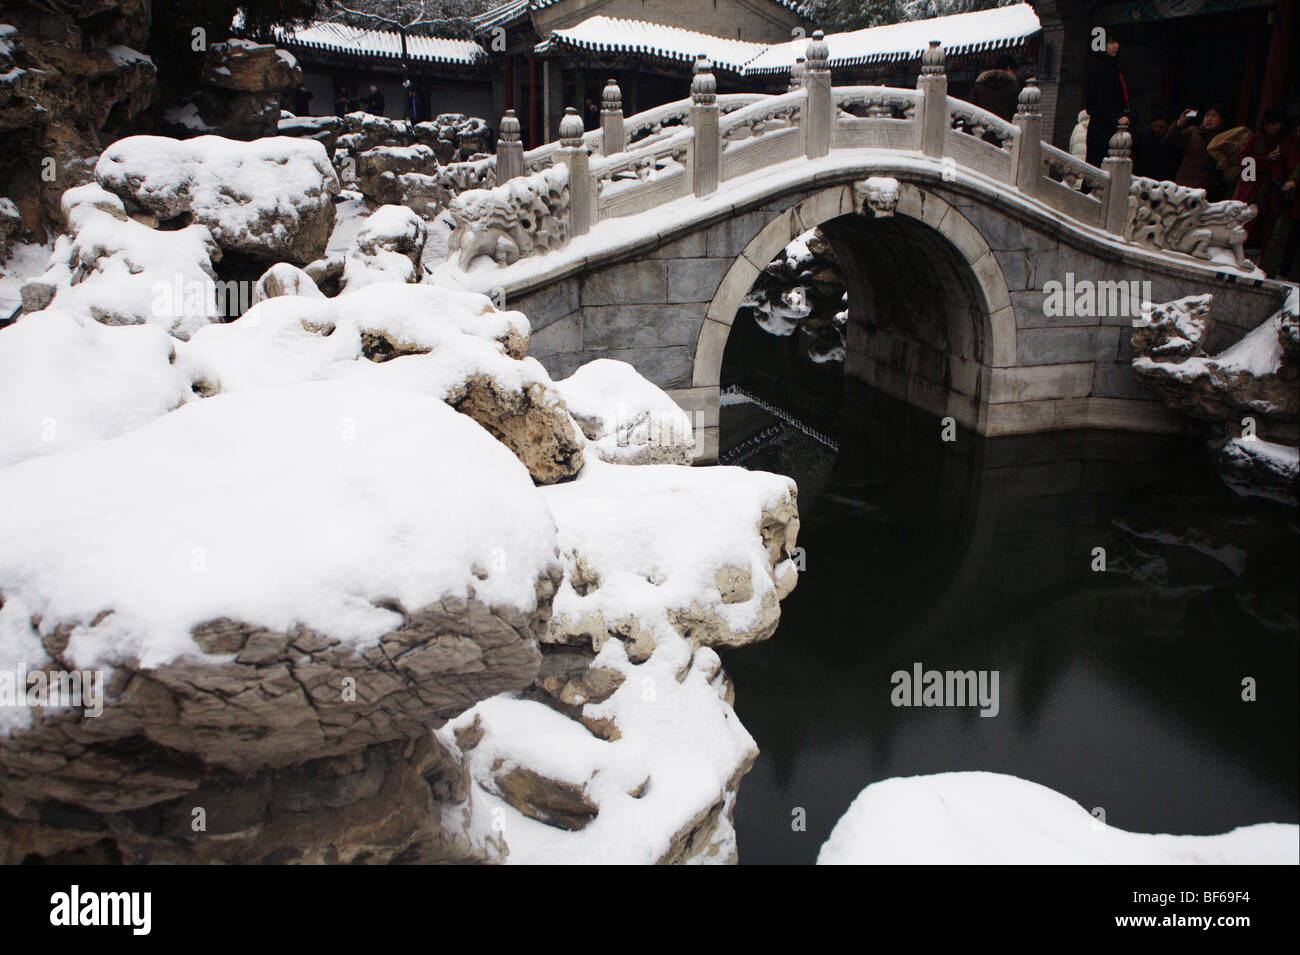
{"x":1258,"y":376}
{"x":1254,"y":466}
{"x":271,"y":198}
{"x":976,"y":818}
{"x":630,"y":574}
{"x":285,"y":279}
{"x":115,"y":270}
{"x":66,"y":383}
{"x":626,"y":419}
{"x":452,"y":345}
{"x":241,"y":560}
{"x":387,"y":248}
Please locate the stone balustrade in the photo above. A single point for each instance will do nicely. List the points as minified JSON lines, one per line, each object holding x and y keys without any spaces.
{"x":695,"y":146}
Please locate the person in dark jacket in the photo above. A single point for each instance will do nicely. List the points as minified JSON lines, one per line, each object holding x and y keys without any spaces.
{"x":1195,"y":167}
{"x":997,"y":89}
{"x":374,"y":103}
{"x":302,"y":100}
{"x":1275,"y":154}
{"x":1152,"y":156}
{"x":1105,"y":97}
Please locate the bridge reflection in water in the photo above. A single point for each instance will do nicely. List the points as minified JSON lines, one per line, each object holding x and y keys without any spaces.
{"x":1120,"y":689}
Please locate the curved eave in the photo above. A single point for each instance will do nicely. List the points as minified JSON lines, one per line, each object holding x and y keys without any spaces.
{"x":560,"y":44}
{"x":857,"y":62}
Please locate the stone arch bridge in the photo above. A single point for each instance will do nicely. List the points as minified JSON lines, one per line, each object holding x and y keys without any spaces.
{"x":991,"y":276}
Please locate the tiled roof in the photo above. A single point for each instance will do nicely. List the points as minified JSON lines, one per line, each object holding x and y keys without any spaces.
{"x":611,"y":35}
{"x":982,"y":31}
{"x":341,"y":38}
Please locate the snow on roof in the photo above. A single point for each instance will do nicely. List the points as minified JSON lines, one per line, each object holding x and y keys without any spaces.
{"x":961,"y":33}
{"x":340,"y":37}
{"x":502,"y":14}
{"x":611,"y":35}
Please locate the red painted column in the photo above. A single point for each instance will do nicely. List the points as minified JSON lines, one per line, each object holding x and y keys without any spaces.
{"x":1280,"y":51}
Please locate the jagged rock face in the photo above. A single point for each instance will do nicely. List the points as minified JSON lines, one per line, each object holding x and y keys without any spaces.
{"x":455,"y":137}
{"x":242,"y":83}
{"x":282,"y":695}
{"x":531,"y":421}
{"x":1258,"y":377}
{"x":71,"y":81}
{"x":402,"y":176}
{"x":396,"y":802}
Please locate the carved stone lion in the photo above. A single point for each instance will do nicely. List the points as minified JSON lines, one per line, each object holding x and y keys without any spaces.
{"x":526,"y":216}
{"x":1167,"y":216}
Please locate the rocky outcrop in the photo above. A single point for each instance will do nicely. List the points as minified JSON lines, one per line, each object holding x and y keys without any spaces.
{"x":455,"y":137}
{"x":270,"y":199}
{"x":72,"y":80}
{"x":1258,"y":377}
{"x":242,"y":85}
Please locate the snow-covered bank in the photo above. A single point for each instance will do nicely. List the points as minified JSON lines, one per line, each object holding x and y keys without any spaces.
{"x":992,"y":819}
{"x":298,"y":556}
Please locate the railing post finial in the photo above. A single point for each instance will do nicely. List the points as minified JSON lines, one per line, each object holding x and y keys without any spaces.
{"x":706,"y":147}
{"x":613,"y":135}
{"x":704,"y":85}
{"x":571,"y":129}
{"x":1030,"y":97}
{"x":819,"y":54}
{"x":797,"y":73}
{"x":932,"y":60}
{"x":510,"y":148}
{"x":1120,"y":145}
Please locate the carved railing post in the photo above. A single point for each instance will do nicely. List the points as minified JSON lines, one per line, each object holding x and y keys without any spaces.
{"x":933,"y":84}
{"x":1119,"y":165}
{"x":797,"y":74}
{"x":510,"y":148}
{"x":1027,"y":151}
{"x":707,"y":148}
{"x":573,"y":154}
{"x":613,"y":137}
{"x":819,"y":111}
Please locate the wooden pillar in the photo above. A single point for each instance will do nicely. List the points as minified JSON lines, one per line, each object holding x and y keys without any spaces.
{"x":534,"y":102}
{"x":1281,"y":49}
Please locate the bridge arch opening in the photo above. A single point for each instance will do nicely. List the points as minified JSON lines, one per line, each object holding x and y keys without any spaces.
{"x":924,"y":313}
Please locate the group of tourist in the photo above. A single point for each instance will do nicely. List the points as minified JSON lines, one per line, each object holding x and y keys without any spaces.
{"x":1201,"y":149}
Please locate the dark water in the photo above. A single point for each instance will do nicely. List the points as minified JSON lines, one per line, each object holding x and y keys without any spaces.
{"x":1120,"y":689}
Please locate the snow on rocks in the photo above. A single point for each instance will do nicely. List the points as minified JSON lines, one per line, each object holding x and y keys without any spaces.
{"x":659,"y":550}
{"x":65,"y":383}
{"x":270,"y":198}
{"x":1258,"y":375}
{"x":118,"y":271}
{"x":387,"y":248}
{"x":626,"y":419}
{"x":244,"y":556}
{"x":452,"y":345}
{"x":974,"y":818}
{"x":660,"y":791}
{"x":285,"y":279}
{"x":1254,"y":466}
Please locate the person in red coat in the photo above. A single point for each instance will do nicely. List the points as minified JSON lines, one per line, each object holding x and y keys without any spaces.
{"x":1275,"y":154}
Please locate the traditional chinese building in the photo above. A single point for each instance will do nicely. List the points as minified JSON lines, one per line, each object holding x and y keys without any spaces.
{"x":448,"y":76}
